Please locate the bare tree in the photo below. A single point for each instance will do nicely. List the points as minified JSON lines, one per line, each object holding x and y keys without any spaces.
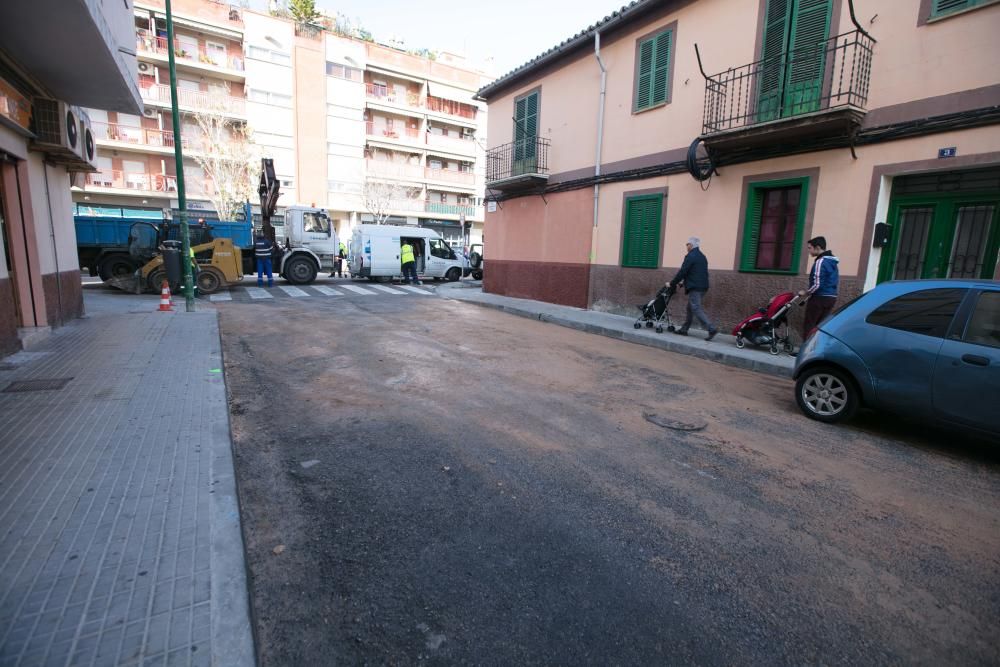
{"x":381,"y":196}
{"x":227,"y":154}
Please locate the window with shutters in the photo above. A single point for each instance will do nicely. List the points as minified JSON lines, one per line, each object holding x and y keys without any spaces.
{"x":793,"y":57}
{"x":526,"y":108}
{"x":653,"y":55}
{"x":774,"y":224}
{"x":641,"y":231}
{"x":940,"y":8}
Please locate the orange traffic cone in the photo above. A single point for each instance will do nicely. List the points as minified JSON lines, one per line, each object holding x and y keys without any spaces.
{"x":165,"y":304}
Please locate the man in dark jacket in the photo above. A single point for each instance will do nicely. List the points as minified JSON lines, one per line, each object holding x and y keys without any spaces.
{"x":824,"y":282}
{"x":694,"y":275}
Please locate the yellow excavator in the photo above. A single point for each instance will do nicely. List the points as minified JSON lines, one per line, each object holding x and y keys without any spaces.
{"x":219,"y":262}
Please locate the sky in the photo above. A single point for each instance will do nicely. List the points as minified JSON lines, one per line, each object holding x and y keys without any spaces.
{"x":511,"y":31}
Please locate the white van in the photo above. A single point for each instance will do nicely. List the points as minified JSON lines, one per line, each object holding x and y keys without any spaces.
{"x":374,"y":253}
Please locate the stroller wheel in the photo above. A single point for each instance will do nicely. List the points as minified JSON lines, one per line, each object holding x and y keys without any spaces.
{"x":637,"y":325}
{"x":774,"y":350}
{"x":659,"y":329}
{"x":671,"y":328}
{"x":740,"y":342}
{"x":649,"y":325}
{"x":788,"y":346}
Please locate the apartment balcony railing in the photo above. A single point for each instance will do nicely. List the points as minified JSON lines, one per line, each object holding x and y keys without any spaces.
{"x":409,"y":134}
{"x":386,"y":169}
{"x":150,"y":43}
{"x":144,"y":182}
{"x":451,"y":176}
{"x":139,"y":136}
{"x":518,"y":165}
{"x":195,"y":99}
{"x":384,"y":94}
{"x":451,"y":107}
{"x":829,"y":78}
{"x":456,"y":144}
{"x":441,"y":208}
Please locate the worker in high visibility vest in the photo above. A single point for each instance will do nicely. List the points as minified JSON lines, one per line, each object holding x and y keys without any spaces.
{"x":409,"y":263}
{"x":338,"y":261}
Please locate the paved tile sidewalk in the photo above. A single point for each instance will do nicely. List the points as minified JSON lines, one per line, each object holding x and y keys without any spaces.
{"x":722,"y":349}
{"x":120,"y":529}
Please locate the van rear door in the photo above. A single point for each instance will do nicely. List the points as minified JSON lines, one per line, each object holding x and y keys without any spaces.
{"x":385,"y":255}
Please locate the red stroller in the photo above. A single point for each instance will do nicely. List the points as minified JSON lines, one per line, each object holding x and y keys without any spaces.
{"x":768,"y":326}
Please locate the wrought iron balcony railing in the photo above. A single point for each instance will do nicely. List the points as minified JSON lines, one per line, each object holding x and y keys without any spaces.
{"x":827,"y":75}
{"x":525,"y":157}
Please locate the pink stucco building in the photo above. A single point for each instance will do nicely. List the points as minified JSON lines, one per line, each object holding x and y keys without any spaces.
{"x":822,"y":117}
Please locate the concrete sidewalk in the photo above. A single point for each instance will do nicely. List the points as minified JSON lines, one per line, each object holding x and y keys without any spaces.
{"x":722,"y":349}
{"x":121,"y":540}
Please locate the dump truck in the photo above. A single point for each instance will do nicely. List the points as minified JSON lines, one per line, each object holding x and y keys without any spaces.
{"x":102,"y":243}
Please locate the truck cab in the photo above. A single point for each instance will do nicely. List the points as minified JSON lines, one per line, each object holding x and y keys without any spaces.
{"x":310,"y":244}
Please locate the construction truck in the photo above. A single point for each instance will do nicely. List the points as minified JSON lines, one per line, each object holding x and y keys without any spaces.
{"x":310,"y":242}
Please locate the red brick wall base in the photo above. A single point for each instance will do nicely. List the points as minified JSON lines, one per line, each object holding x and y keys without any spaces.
{"x":565,"y":284}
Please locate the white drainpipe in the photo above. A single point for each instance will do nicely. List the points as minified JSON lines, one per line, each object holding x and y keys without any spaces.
{"x":600,"y":122}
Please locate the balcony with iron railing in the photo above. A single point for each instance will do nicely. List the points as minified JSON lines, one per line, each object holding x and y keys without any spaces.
{"x":519,"y":165}
{"x":442,"y":208}
{"x":141,"y":183}
{"x":386,"y":95}
{"x":465,"y":145}
{"x":200,"y":57}
{"x":140,"y":137}
{"x":451,"y":107}
{"x":814,"y":92}
{"x":380,"y":94}
{"x":195,"y":100}
{"x":410,"y":135}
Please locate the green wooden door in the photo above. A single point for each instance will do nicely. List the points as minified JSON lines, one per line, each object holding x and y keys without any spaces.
{"x":525,"y":133}
{"x":942,"y":236}
{"x":793,"y":57}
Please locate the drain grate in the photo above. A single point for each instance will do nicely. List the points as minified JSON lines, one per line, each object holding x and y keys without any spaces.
{"x":36,"y":385}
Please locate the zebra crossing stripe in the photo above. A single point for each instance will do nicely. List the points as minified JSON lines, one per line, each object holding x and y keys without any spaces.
{"x":415,"y":290}
{"x":294,"y":292}
{"x":387,"y":290}
{"x":322,"y":289}
{"x":258,"y":293}
{"x":225,"y":296}
{"x":357,"y":290}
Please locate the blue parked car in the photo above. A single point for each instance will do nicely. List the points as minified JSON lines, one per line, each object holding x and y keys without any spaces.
{"x":923,"y":349}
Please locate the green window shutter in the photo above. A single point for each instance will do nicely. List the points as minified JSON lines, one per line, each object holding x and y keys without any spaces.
{"x":661,"y":68}
{"x":644,"y":77}
{"x":807,"y":47}
{"x":751,"y":230}
{"x":525,"y":131}
{"x":771,"y":69}
{"x":641,"y":238}
{"x":943,"y":7}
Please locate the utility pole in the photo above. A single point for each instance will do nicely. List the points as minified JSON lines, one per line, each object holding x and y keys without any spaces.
{"x":179,"y":168}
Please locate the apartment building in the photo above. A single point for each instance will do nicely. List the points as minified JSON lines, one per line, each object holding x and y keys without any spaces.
{"x":136,"y":173}
{"x":45,"y":143}
{"x":348,"y":123}
{"x":870,"y":122}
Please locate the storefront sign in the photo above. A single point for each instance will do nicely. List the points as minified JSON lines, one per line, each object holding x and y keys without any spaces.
{"x":14,"y":106}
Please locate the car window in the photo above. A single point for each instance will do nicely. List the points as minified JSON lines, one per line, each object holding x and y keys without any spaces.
{"x":441,"y":249}
{"x":928,"y":312}
{"x":315,"y":223}
{"x":984,"y":328}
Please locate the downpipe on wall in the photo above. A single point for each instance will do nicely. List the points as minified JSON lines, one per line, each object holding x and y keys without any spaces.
{"x":597,"y":161}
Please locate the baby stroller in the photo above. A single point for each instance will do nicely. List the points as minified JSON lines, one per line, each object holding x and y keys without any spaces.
{"x":656,"y":312}
{"x":769,"y":325}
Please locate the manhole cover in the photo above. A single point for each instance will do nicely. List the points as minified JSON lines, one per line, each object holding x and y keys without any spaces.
{"x":674,"y":424}
{"x":36,"y":385}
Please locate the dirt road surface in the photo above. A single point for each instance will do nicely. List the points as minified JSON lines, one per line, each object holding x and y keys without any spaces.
{"x":424,"y":481}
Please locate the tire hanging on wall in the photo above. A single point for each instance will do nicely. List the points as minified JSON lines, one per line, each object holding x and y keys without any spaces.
{"x":701,"y":167}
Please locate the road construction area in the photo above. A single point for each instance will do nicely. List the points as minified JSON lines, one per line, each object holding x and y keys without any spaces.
{"x":427,"y":481}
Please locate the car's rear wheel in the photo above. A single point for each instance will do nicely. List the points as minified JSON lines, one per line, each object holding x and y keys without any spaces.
{"x":826,"y":394}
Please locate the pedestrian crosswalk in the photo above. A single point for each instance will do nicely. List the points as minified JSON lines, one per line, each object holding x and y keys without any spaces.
{"x":240,"y":293}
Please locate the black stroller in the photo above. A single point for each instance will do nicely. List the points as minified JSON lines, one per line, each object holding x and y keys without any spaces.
{"x":657,"y":311}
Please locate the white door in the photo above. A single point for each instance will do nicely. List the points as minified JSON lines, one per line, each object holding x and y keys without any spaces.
{"x":385,"y":256}
{"x":439,"y":259}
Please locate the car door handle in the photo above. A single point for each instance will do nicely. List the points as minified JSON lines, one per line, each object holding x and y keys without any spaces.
{"x":975,"y":360}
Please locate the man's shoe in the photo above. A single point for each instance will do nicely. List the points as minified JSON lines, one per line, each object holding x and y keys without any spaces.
{"x":260,"y":284}
{"x":711,"y":334}
{"x":681,"y":332}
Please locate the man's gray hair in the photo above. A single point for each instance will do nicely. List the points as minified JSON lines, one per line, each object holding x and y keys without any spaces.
{"x":694,"y":242}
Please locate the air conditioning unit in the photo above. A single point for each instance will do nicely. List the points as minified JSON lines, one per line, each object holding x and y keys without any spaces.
{"x":88,"y":147}
{"x":143,"y":67}
{"x":467,"y":131}
{"x":150,"y":113}
{"x":57,"y":130}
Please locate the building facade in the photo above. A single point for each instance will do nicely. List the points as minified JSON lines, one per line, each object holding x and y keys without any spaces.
{"x":347,"y":123}
{"x":46,"y":144}
{"x":802,"y":118}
